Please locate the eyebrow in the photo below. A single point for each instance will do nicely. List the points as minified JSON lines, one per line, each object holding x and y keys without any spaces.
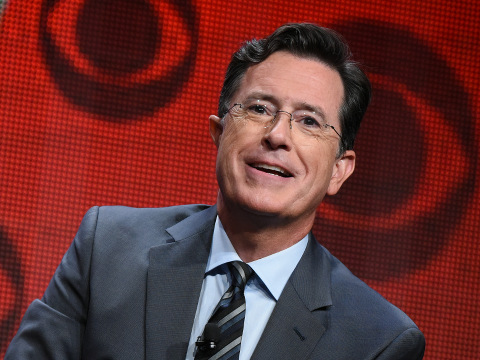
{"x":259,"y":95}
{"x":312,"y":108}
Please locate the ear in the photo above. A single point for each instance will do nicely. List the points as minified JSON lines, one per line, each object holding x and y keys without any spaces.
{"x":342,"y":170}
{"x":216,"y":129}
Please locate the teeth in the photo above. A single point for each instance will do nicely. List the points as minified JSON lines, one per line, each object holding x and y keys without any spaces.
{"x":268,"y":167}
{"x":275,"y":170}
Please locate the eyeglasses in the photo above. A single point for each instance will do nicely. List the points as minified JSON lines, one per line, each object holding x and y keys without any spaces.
{"x":308,"y":122}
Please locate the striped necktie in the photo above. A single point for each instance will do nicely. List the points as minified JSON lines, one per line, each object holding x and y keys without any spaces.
{"x":229,"y":316}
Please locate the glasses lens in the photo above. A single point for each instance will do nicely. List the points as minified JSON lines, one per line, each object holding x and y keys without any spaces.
{"x":253,"y":110}
{"x":307,"y":122}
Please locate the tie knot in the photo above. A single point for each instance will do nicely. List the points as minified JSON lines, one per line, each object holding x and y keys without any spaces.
{"x":241,"y":272}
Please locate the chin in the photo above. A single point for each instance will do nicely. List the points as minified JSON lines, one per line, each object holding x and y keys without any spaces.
{"x":258,"y":203}
{"x":265,"y":208}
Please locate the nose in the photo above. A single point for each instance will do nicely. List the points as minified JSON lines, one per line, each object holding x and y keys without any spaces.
{"x":279,"y":133}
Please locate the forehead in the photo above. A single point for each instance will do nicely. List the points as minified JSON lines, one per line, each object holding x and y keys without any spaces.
{"x":293,"y":81}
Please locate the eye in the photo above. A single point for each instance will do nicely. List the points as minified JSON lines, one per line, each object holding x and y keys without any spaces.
{"x":309,"y":121}
{"x":258,"y":109}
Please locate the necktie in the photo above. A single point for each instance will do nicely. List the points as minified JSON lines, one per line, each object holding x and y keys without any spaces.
{"x":229,"y":316}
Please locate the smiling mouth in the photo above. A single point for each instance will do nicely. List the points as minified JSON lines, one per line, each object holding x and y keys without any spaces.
{"x":273,"y":170}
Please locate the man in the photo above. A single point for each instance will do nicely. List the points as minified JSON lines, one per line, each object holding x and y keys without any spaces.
{"x":144,"y":283}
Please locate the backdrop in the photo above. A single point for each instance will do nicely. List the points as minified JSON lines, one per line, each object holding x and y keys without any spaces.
{"x":107,"y":102}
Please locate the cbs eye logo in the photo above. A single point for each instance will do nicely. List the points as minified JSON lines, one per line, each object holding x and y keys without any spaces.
{"x":416,"y":157}
{"x":119,"y":59}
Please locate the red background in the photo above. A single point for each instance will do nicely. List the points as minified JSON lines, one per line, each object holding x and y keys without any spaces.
{"x":106,"y":102}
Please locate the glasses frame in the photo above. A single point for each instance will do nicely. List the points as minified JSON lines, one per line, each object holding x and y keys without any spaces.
{"x":242,"y":106}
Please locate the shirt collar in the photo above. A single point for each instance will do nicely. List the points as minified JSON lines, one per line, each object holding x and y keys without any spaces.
{"x":274,"y":270}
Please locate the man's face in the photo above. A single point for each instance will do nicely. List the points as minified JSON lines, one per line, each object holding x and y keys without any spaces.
{"x":277,"y":170}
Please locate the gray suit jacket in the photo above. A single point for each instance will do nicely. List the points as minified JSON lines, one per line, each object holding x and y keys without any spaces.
{"x":129,"y":284}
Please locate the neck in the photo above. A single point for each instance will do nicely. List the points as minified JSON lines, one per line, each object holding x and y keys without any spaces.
{"x":255,"y":236}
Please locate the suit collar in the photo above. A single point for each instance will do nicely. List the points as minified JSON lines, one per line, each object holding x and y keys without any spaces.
{"x":194,"y":224}
{"x":311,"y":278}
{"x":174,"y":280}
{"x":299,"y":319}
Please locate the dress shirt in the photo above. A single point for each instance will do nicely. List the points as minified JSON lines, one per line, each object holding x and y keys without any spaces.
{"x":261,"y":293}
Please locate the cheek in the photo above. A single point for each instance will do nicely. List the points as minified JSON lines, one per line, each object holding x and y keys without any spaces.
{"x":237,"y":137}
{"x":230,"y":146}
{"x":319,"y":163}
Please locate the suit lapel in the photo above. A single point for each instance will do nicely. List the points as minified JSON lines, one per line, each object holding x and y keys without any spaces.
{"x":174,"y":281}
{"x":299,"y":318}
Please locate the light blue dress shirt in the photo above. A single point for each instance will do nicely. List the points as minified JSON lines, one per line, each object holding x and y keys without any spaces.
{"x":261,"y":293}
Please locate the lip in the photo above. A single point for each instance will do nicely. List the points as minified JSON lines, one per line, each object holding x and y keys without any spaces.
{"x":271,"y":169}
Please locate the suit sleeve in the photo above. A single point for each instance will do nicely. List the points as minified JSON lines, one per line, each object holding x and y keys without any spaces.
{"x":409,"y":345}
{"x":52,"y":328}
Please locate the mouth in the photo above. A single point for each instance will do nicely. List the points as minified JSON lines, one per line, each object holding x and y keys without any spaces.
{"x":273,"y":170}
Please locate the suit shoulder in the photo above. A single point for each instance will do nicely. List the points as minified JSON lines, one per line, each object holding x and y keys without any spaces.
{"x":359,"y":300}
{"x":157,"y":217}
{"x":365,"y":320}
{"x":177,"y":212}
{"x":137,"y":227}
